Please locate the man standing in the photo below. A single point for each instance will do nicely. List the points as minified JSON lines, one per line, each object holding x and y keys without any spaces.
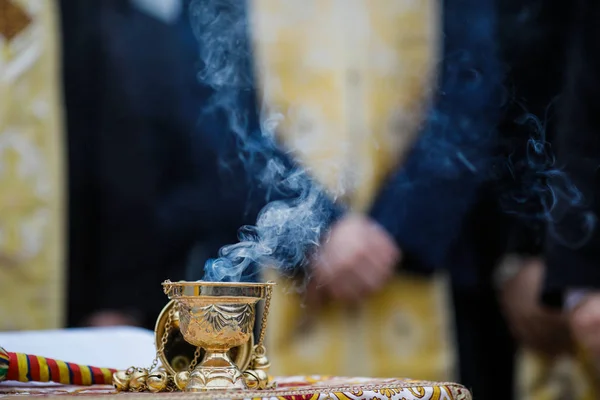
{"x":413,"y":176}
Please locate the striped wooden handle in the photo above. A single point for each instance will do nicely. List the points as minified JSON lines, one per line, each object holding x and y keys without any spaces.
{"x":29,"y":368}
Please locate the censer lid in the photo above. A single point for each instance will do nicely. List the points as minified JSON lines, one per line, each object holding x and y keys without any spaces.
{"x":237,"y":290}
{"x":178,"y":354}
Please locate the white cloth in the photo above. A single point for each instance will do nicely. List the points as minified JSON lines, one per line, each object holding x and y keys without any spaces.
{"x":115,"y":347}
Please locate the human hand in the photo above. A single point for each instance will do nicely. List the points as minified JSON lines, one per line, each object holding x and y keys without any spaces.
{"x":534,"y":326}
{"x":357,"y":259}
{"x":110,"y":318}
{"x":314,"y":294}
{"x":584,"y":320}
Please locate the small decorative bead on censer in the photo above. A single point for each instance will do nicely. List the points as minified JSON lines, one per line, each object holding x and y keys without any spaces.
{"x":157,"y":381}
{"x":121,"y":381}
{"x":256,"y":379}
{"x":138,"y":379}
{"x":181,"y":379}
{"x":261,"y":362}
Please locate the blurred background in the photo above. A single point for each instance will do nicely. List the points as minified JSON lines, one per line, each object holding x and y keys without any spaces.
{"x":111,"y":181}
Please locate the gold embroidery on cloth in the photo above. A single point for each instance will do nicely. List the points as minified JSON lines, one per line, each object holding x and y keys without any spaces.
{"x":31,"y":197}
{"x":371,"y":389}
{"x":13,"y":19}
{"x":350,"y":80}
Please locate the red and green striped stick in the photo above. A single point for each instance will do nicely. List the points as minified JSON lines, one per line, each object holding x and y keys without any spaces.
{"x":28,"y":368}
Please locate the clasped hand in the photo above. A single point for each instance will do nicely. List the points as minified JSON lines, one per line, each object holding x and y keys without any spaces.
{"x":356,"y":259}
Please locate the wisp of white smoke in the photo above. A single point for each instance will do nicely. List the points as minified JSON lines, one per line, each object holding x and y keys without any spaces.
{"x":286,"y":229}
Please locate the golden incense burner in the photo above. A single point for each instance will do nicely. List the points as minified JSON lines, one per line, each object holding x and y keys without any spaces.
{"x":178,"y":354}
{"x":216,"y":320}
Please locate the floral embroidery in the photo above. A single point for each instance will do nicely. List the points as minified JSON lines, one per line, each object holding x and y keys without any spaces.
{"x":387,"y":392}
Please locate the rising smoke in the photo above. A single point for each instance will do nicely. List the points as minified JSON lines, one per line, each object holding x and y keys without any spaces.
{"x":298,"y":210}
{"x":541,"y":191}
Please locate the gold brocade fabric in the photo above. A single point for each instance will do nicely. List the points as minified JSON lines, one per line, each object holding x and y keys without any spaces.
{"x":565,"y":377}
{"x":31,"y":170}
{"x":288,"y":388}
{"x":403,"y":329}
{"x":348,"y":81}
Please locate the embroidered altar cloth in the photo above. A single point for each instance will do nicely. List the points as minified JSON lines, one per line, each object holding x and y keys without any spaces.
{"x":288,"y":388}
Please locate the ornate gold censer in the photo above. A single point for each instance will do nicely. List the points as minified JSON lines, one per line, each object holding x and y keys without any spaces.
{"x":212,"y":322}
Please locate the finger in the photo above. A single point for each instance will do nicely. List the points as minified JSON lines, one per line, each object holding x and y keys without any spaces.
{"x":373,"y":275}
{"x":346,"y":293}
{"x":589,"y":338}
{"x":585,"y":324}
{"x":337,"y":275}
{"x":322,"y":269}
{"x":368,"y":267}
{"x":349,"y":288}
{"x":586,"y":331}
{"x":377,"y":269}
{"x":387,"y":244}
{"x":358,"y":253}
{"x":315,"y":295}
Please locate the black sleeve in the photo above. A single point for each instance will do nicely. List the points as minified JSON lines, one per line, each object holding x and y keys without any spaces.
{"x":126,"y":172}
{"x":573,"y":239}
{"x":425,"y":203}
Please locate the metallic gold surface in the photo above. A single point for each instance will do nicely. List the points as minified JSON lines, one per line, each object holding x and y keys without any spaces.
{"x":181,"y":379}
{"x":212,"y":322}
{"x":157,"y":381}
{"x":233,"y":290}
{"x":217,"y":317}
{"x":138,"y":379}
{"x":178,"y":354}
{"x":121,"y":381}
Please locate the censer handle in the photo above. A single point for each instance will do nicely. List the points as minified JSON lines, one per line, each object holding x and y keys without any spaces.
{"x":29,"y":368}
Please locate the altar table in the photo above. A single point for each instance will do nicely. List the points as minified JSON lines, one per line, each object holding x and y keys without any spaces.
{"x":289,"y":388}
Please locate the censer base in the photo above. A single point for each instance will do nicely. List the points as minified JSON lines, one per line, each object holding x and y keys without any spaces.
{"x":216,"y":372}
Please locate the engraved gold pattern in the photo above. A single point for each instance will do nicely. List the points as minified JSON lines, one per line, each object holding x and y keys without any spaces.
{"x":217,"y":317}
